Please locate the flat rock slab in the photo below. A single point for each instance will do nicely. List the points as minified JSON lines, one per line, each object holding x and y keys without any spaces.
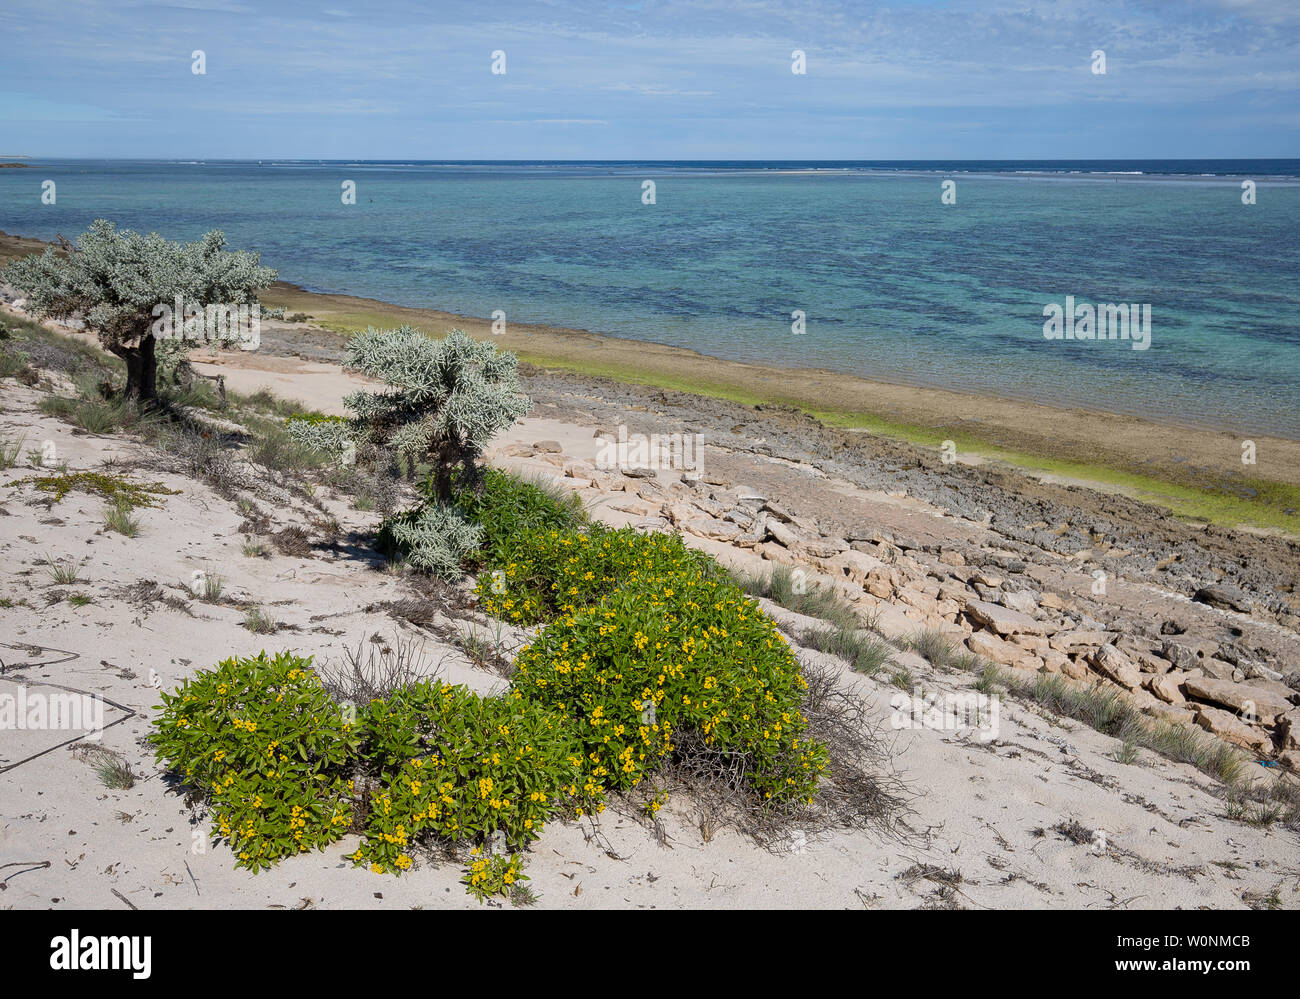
{"x":1004,"y":620}
{"x":1241,"y":697}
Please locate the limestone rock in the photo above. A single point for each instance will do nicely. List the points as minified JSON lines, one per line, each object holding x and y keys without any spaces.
{"x":1228,"y":726}
{"x":1166,"y":686}
{"x":853,"y":564}
{"x":823,"y":547}
{"x":881,"y":582}
{"x":1243,"y":698}
{"x":1003,"y":620}
{"x":707,"y":527}
{"x":1064,"y":641}
{"x":1021,"y":600}
{"x":982,"y":643}
{"x":580,"y":470}
{"x":1111,"y":663}
{"x":774,"y":552}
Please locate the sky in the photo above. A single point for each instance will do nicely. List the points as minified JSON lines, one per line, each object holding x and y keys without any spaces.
{"x":654,"y":79}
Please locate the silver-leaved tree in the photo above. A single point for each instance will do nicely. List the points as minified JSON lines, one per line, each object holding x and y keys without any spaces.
{"x":444,"y":401}
{"x":117,"y":281}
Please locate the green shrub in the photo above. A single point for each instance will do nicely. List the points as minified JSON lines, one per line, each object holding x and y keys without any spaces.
{"x":507,"y":506}
{"x":461,"y":766}
{"x":433,"y":538}
{"x":549,"y":573}
{"x":269,"y":748}
{"x":685,"y":656}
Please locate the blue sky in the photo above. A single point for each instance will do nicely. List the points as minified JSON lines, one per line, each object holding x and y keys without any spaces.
{"x":705,"y":79}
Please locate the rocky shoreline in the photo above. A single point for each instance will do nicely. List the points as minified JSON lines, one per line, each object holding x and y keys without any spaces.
{"x":1194,"y":624}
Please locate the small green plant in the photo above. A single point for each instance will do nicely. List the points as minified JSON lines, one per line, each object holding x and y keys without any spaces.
{"x":866,"y":652}
{"x":10,"y":449}
{"x":903,"y":679}
{"x":1126,"y":753}
{"x":932,"y":645}
{"x":118,"y":518}
{"x":114,"y":772}
{"x":474,"y":645}
{"x":494,"y":875}
{"x":80,"y":600}
{"x":252,"y":548}
{"x":990,"y":680}
{"x":62,"y":573}
{"x":212,"y":587}
{"x":259,"y":622}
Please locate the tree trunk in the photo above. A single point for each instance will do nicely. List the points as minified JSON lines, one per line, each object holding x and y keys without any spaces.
{"x":442,"y":483}
{"x":141,"y":369}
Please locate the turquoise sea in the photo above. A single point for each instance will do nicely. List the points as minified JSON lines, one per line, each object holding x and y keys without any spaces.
{"x":894,"y":284}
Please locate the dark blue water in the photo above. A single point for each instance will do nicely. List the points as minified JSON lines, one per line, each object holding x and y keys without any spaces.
{"x":893,"y":283}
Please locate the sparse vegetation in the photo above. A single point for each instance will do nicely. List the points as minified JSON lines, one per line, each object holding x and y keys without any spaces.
{"x":867,"y":652}
{"x":117,"y":489}
{"x":1126,"y":752}
{"x":934,"y":646}
{"x":259,"y":622}
{"x":210,"y":590}
{"x":10,"y":449}
{"x":62,"y":573}
{"x":1109,"y":713}
{"x":112,"y":770}
{"x":118,"y":518}
{"x":783,"y":586}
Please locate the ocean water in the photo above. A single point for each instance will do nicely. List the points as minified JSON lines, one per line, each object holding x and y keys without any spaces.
{"x":892,"y":283}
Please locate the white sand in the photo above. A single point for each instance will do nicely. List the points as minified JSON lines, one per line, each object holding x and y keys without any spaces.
{"x":985,"y":810}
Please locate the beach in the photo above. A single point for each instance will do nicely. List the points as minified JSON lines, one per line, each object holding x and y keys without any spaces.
{"x":1055,"y":814}
{"x":1192,"y":468}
